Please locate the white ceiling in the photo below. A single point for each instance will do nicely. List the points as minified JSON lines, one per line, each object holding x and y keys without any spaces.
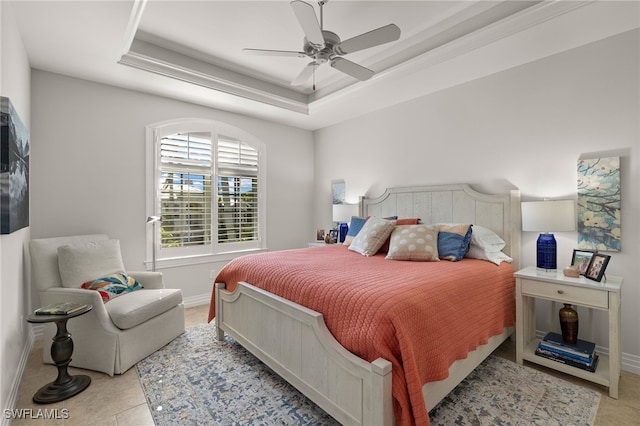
{"x":192,"y":50}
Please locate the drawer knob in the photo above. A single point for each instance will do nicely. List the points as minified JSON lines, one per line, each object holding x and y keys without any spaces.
{"x":560,"y":292}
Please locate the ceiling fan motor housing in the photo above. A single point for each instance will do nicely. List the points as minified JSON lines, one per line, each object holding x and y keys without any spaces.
{"x":321,"y":56}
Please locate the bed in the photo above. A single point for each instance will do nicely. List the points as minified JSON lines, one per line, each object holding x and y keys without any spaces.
{"x":382,"y":375}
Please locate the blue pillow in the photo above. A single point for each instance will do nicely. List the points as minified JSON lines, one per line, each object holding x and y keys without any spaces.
{"x":354,"y":227}
{"x":453,"y":241}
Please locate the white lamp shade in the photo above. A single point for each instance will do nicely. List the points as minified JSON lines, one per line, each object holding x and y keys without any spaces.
{"x":342,"y":213}
{"x":549,"y":216}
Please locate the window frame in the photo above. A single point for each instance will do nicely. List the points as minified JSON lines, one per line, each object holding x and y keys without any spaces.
{"x":215,"y":251}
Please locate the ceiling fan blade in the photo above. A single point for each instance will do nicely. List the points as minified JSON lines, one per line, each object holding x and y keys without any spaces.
{"x":307,"y":18}
{"x":305,"y":75}
{"x":266,"y":52}
{"x":373,"y":38}
{"x":351,"y":68}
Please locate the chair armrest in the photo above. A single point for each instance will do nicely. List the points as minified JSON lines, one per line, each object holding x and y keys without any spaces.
{"x":79,"y":295}
{"x":148,"y":279}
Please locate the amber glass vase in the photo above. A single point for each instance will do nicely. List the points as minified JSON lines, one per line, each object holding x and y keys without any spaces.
{"x":569,"y":324}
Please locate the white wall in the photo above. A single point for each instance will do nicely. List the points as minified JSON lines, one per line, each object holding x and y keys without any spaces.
{"x":521,"y":128}
{"x":14,"y":271}
{"x":88,"y":147}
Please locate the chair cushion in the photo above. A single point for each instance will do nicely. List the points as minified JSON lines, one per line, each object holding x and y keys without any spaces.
{"x":84,"y":262}
{"x":136,"y":307}
{"x":44,"y":257}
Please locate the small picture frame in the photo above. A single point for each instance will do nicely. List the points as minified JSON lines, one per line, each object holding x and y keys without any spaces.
{"x":597,"y":266}
{"x":581,"y":259}
{"x":333,"y":236}
{"x":320,"y":234}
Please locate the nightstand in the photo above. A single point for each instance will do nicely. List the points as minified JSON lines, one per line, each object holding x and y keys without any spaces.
{"x":318,"y":244}
{"x":534,"y":284}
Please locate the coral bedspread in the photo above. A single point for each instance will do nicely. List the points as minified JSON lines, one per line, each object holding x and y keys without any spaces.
{"x":421,"y":316}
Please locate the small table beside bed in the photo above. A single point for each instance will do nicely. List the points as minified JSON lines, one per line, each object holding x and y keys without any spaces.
{"x":378,"y":337}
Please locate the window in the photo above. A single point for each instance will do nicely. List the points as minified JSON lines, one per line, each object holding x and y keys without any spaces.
{"x":206,"y":187}
{"x":237,"y":191}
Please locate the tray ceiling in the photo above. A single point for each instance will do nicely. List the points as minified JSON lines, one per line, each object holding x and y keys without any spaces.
{"x":192,"y":50}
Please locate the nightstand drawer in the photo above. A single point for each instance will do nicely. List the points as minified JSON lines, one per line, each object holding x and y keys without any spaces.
{"x":575,"y":295}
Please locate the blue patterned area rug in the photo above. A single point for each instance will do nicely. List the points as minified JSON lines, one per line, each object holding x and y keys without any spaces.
{"x":198,"y":380}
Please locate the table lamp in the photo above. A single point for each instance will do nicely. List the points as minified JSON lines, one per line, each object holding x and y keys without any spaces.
{"x":342,"y":214}
{"x":546,"y":217}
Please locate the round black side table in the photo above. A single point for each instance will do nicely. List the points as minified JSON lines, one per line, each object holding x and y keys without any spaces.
{"x":64,"y":386}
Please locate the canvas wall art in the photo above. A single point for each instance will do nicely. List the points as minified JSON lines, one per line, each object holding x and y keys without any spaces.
{"x":599,"y":201}
{"x":14,"y":170}
{"x":338,"y":192}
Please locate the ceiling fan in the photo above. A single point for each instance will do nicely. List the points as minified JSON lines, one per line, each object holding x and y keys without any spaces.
{"x":325,"y":46}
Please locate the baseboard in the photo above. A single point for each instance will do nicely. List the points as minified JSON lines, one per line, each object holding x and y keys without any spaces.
{"x":631,"y":363}
{"x":38,"y":331}
{"x":198,"y":300}
{"x":17,"y":379}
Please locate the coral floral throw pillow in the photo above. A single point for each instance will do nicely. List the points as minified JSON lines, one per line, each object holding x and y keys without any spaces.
{"x":113,"y":285}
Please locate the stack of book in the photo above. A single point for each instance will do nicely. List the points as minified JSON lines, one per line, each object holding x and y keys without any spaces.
{"x":63,"y":308}
{"x":581,"y":354}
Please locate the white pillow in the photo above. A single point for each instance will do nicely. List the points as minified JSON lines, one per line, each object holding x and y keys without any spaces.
{"x":86,"y":262}
{"x":372,"y":236}
{"x":486,"y":239}
{"x":496,"y":257}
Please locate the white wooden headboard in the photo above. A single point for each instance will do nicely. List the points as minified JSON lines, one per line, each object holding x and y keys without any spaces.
{"x":454,"y":204}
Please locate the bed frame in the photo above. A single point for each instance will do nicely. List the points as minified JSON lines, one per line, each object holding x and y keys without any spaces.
{"x":295,"y":342}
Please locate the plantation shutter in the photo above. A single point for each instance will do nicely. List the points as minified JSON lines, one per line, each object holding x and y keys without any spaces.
{"x":185,"y":189}
{"x":237,"y":183}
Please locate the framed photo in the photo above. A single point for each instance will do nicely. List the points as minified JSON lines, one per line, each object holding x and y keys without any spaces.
{"x":320,"y":234}
{"x":333,"y":236}
{"x":597,"y":266}
{"x":581,"y":259}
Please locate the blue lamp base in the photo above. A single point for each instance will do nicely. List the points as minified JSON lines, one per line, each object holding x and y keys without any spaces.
{"x":547,"y":252}
{"x":344,"y":228}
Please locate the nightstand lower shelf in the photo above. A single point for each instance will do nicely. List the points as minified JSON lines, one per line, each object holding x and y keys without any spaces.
{"x":600,"y":376}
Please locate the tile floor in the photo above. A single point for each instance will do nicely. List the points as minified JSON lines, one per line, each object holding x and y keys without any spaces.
{"x":119,"y":400}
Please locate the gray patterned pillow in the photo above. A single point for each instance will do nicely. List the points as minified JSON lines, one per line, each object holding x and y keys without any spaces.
{"x":372,"y":236}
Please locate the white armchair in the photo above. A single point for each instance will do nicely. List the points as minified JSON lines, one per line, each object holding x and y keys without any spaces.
{"x":114,"y":335}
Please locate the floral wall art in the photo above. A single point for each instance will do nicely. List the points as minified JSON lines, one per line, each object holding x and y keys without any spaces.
{"x":599,"y":204}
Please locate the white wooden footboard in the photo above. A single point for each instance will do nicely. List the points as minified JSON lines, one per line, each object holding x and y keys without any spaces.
{"x":295,"y":342}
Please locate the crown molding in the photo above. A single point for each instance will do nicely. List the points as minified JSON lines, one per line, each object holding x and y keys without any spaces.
{"x":542,"y":29}
{"x":149,"y":57}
